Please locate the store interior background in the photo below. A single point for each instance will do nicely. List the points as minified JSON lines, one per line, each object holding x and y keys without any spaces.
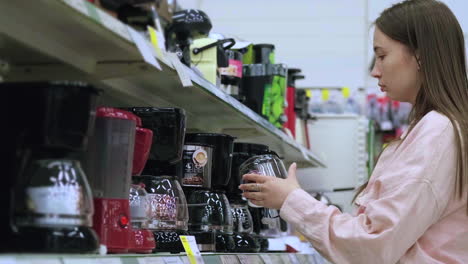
{"x":331,"y":41}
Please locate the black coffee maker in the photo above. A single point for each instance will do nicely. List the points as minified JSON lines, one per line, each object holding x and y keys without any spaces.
{"x":210,"y":216}
{"x":186,"y":25}
{"x":48,"y":200}
{"x":244,"y":239}
{"x":168,"y":206}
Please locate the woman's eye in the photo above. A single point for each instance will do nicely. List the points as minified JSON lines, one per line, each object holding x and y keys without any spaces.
{"x":381,"y":57}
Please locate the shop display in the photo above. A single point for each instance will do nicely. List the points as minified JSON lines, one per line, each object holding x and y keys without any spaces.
{"x":168,"y":213}
{"x":149,"y":181}
{"x":46,"y":197}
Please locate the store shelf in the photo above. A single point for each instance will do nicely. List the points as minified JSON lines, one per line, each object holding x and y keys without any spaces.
{"x":71,"y":39}
{"x":270,"y":258}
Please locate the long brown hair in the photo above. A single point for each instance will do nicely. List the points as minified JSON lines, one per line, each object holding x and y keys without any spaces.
{"x":432,"y":33}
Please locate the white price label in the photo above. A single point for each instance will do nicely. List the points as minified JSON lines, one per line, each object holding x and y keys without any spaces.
{"x":108,"y":261}
{"x":229,"y":259}
{"x":181,"y":70}
{"x":191,"y":248}
{"x":247,"y":259}
{"x":79,"y":261}
{"x":151,"y":260}
{"x":173,"y":260}
{"x":143,"y":46}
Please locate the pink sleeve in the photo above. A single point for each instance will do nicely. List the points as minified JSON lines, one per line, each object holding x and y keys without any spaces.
{"x":381,"y":235}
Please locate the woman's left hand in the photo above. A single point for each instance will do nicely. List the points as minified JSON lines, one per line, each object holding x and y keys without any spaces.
{"x":267,"y":191}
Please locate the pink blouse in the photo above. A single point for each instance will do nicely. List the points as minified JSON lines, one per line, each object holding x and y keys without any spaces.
{"x":407,"y":214}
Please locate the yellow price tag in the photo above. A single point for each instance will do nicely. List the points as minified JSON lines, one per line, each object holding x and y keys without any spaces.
{"x":325,"y":94}
{"x":191,"y":248}
{"x":346,"y":92}
{"x":154,"y":40}
{"x":308,"y":93}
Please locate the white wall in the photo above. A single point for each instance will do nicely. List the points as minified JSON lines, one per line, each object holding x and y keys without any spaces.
{"x":330,"y":40}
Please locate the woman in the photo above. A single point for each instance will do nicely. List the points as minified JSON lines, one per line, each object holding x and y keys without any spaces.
{"x":414,"y":207}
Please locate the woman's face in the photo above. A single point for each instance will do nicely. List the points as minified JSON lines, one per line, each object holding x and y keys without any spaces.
{"x":396,"y":68}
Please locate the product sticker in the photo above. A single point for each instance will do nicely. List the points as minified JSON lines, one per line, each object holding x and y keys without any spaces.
{"x":196,"y":171}
{"x":191,"y":248}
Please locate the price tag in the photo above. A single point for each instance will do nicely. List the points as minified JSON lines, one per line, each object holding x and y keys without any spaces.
{"x":151,"y":260}
{"x":346,"y":92}
{"x":325,"y":95}
{"x":181,"y":70}
{"x":191,"y":248}
{"x":173,"y":260}
{"x":108,"y":261}
{"x":79,"y":261}
{"x":144,"y":48}
{"x":229,"y":259}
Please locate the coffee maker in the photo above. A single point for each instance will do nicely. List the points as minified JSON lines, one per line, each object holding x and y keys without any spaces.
{"x":46,"y":196}
{"x":267,"y":224}
{"x":186,"y":25}
{"x":109,"y":166}
{"x":244,"y":238}
{"x":168,"y":214}
{"x":210,"y":216}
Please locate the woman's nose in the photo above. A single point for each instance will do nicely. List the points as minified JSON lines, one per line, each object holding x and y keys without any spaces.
{"x":376,"y":72}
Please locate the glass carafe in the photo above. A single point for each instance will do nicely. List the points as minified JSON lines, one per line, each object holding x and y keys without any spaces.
{"x":55,"y":193}
{"x":167,"y":203}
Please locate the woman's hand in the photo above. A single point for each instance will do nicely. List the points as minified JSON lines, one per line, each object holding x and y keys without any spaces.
{"x":267,"y":191}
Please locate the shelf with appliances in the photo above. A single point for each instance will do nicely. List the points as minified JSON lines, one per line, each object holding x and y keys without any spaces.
{"x":72,"y":39}
{"x":267,"y":258}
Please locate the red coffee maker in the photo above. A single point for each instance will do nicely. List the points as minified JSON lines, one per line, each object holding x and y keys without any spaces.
{"x":109,"y":165}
